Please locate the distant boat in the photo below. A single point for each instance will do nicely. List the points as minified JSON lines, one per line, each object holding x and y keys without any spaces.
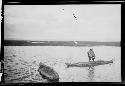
{"x":89,"y":64}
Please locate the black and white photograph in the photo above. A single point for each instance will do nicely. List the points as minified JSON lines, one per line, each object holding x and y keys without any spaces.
{"x":62,"y":43}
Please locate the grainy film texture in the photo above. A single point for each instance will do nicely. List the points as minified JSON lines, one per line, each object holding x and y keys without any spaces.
{"x":62,"y":43}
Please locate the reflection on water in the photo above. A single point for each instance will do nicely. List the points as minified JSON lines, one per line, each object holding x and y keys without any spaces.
{"x":91,"y":71}
{"x":22,"y":62}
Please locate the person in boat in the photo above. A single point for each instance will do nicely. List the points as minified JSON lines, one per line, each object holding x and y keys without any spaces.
{"x":91,"y":54}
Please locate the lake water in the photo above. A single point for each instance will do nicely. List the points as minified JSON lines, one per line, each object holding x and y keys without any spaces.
{"x":22,"y":62}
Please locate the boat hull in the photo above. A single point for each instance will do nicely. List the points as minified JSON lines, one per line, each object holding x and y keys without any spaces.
{"x":48,"y":73}
{"x":89,"y":64}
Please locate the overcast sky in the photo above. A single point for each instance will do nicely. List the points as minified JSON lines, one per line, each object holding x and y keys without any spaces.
{"x":63,"y":22}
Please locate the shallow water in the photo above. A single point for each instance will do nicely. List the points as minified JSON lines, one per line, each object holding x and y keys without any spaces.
{"x":22,"y":62}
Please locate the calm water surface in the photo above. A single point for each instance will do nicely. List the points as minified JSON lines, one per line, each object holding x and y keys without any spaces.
{"x":22,"y":62}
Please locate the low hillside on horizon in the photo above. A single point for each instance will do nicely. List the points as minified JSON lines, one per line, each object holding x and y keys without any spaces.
{"x":58,"y":43}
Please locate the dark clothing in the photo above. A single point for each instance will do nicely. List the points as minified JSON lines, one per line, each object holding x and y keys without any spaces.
{"x":91,"y":54}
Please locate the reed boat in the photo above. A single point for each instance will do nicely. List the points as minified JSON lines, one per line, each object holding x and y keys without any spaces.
{"x":89,"y":64}
{"x":48,"y":73}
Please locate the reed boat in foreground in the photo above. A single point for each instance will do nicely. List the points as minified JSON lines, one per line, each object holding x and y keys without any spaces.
{"x":48,"y":73}
{"x":89,"y":64}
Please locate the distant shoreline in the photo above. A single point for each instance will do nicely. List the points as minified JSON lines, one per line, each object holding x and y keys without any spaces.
{"x":58,"y":43}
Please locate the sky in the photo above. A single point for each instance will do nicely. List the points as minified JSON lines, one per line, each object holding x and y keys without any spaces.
{"x":63,"y":22}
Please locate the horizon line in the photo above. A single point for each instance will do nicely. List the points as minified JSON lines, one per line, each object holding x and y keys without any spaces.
{"x":58,"y":40}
